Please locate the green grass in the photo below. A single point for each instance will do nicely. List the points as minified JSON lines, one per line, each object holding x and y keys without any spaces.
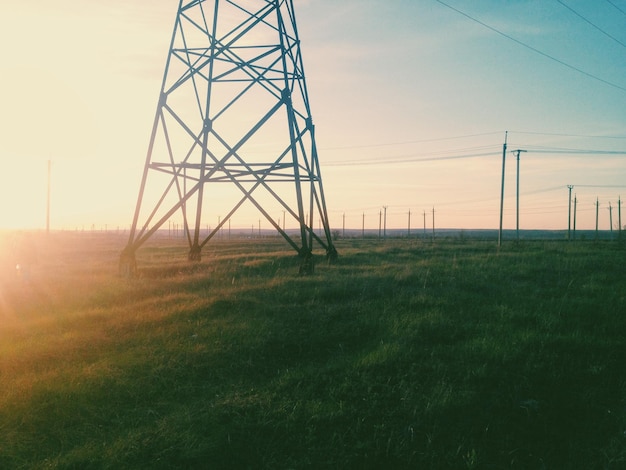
{"x":403,"y":354}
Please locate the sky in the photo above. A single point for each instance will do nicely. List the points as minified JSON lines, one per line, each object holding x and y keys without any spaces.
{"x":412,"y":100}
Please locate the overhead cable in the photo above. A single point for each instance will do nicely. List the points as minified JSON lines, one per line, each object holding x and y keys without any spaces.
{"x":397,"y":160}
{"x":618,"y":8}
{"x":571,"y":135}
{"x":517,"y":41}
{"x":576,"y":151}
{"x":411,"y":141}
{"x":592,"y":24}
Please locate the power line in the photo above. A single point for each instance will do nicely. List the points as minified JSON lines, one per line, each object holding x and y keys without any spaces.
{"x":419,"y":159}
{"x":430,"y":158}
{"x":457,"y":137}
{"x":575,"y":151}
{"x":393,"y":161}
{"x":543,"y":190}
{"x":618,"y":8}
{"x":411,"y":141}
{"x":592,"y":24}
{"x":598,"y":186}
{"x":517,"y":41}
{"x":571,"y":135}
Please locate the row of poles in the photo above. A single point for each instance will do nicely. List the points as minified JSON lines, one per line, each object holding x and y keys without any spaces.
{"x":382,"y":215}
{"x":176,"y":230}
{"x":382,"y":223}
{"x":597,"y":205}
{"x":569,"y":235}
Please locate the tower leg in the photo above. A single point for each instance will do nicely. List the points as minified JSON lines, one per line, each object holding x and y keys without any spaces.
{"x":128,"y":263}
{"x":331,"y":254}
{"x":307,"y":266}
{"x":195,"y":253}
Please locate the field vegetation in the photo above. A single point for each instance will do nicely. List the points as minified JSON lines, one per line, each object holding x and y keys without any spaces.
{"x":402,"y":354}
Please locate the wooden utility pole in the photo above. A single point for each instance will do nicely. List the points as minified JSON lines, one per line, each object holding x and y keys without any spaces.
{"x":408,"y":233}
{"x":575,"y":203}
{"x":611,"y":218}
{"x":433,"y":224}
{"x":569,"y":210}
{"x":424,"y":224}
{"x":385,"y":226}
{"x":506,"y":134}
{"x":597,"y":211}
{"x":517,"y":196}
{"x":619,"y":218}
{"x":363,"y":226}
{"x":48,"y":199}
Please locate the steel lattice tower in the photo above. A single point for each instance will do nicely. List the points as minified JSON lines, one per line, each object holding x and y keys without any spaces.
{"x":233,"y":125}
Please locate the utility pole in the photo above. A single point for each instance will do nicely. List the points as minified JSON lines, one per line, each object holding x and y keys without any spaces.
{"x":506,"y":134}
{"x":184,"y":206}
{"x":48,"y":199}
{"x":611,"y":218}
{"x":517,"y":196}
{"x":433,"y":223}
{"x":343,"y":233}
{"x":409,"y":227}
{"x":424,"y":224}
{"x":569,"y":210}
{"x":597,"y":210}
{"x":385,"y":226}
{"x":619,"y":217}
{"x":575,"y":204}
{"x":363,"y":225}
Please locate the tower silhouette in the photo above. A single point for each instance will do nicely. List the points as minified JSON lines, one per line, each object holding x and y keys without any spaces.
{"x":233,"y":126}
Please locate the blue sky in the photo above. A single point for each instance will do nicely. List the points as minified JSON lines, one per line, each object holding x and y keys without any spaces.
{"x":402,"y":92}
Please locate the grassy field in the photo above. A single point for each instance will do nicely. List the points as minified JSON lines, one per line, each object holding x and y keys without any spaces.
{"x":403,"y":354}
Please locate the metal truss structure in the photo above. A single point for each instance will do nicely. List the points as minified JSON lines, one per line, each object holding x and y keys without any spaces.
{"x":233,"y":125}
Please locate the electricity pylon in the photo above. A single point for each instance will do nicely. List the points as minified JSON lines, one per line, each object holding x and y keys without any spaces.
{"x":233,"y":125}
